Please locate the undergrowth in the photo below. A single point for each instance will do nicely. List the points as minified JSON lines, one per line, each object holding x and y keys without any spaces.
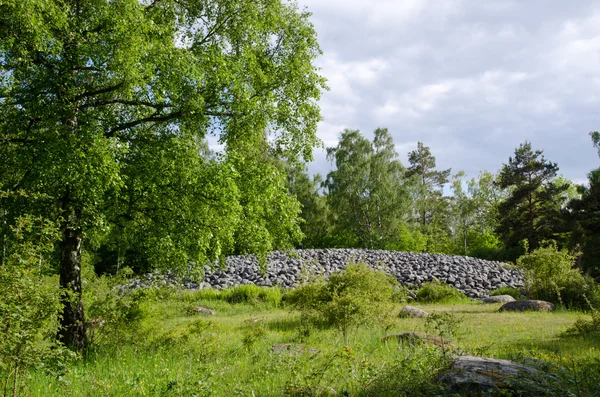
{"x":439,"y":292}
{"x":159,"y":347}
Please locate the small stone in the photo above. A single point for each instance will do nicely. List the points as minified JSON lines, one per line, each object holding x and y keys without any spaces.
{"x":204,"y":310}
{"x":411,"y":311}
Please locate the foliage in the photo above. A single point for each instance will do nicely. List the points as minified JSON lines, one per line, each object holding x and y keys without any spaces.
{"x":584,"y":214}
{"x":409,"y":239}
{"x":475,"y":215}
{"x":411,"y":373}
{"x":104,"y":109}
{"x":445,"y":324}
{"x":355,"y":296}
{"x":315,"y":214}
{"x":176,"y":353}
{"x":114,"y":312}
{"x":29,"y":304}
{"x":253,"y":331}
{"x":514,"y":292}
{"x":586,"y":327}
{"x":485,"y":245}
{"x":429,"y":207}
{"x":249,"y":293}
{"x":532,"y":210}
{"x":439,"y":292}
{"x":596,"y":140}
{"x":366,"y":192}
{"x":549,"y":275}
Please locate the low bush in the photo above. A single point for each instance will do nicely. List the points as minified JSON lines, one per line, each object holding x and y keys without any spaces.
{"x":114,"y":313}
{"x":550,"y":276}
{"x":586,"y":327}
{"x":357,"y":295}
{"x":439,"y":292}
{"x":29,"y":306}
{"x":514,"y":292}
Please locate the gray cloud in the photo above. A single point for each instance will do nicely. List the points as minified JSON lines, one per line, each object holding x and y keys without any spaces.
{"x":471,"y":79}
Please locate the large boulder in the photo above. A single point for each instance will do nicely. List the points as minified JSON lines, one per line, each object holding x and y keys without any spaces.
{"x":420,"y":337}
{"x":473,"y":376}
{"x":498,"y":299}
{"x":533,"y":305}
{"x":411,"y":311}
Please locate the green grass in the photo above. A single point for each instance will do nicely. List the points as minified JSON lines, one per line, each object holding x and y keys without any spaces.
{"x":174,"y":352}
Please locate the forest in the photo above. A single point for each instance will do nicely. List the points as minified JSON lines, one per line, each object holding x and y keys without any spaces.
{"x":107,"y":108}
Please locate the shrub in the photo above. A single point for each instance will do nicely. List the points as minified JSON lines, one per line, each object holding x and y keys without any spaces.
{"x":356,"y":296}
{"x":29,"y":305}
{"x":248,"y":293}
{"x":550,"y":276}
{"x":514,"y":292}
{"x":114,"y":313}
{"x":439,"y":292}
{"x":586,"y":327}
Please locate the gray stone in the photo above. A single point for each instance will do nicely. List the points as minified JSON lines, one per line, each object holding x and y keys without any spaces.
{"x":525,"y":305}
{"x":411,"y":311}
{"x":476,"y":375}
{"x":204,"y":310}
{"x":498,"y":299}
{"x":472,"y":276}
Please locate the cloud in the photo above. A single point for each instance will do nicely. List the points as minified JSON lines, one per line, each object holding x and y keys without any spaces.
{"x":472,"y":79}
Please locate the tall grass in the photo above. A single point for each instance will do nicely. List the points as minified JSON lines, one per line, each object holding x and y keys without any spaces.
{"x":240,"y":294}
{"x":172,"y":351}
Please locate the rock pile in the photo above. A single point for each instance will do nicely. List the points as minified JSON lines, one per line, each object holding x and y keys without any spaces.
{"x":475,"y":277}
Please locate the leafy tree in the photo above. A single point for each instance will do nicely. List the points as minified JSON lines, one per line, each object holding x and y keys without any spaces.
{"x":315,"y":213}
{"x":596,"y":140}
{"x":464,"y":208}
{"x":366,"y":192}
{"x":430,"y":207}
{"x":584,"y":213}
{"x":533,"y":208}
{"x":475,"y":213}
{"x":103,"y":109}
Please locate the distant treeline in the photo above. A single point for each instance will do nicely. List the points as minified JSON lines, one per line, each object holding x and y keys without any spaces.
{"x":372,"y":200}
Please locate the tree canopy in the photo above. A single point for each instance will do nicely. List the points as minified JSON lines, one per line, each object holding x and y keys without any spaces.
{"x":366,"y":190}
{"x":104,"y":107}
{"x":533,"y":207}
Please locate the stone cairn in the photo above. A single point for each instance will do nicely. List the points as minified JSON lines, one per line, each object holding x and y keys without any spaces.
{"x":475,"y":277}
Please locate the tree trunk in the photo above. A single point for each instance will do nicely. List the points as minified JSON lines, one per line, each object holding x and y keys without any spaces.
{"x":72,"y":332}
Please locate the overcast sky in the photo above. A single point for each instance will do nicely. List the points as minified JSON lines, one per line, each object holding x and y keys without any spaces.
{"x":472,"y":79}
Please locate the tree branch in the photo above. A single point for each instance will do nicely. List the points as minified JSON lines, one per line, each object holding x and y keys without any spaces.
{"x":154,"y":118}
{"x":157,"y":106}
{"x":98,"y":92}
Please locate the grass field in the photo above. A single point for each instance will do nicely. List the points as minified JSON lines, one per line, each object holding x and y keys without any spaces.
{"x":172,"y":350}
